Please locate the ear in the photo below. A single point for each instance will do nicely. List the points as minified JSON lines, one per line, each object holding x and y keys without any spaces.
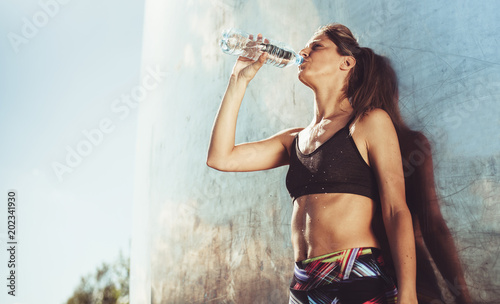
{"x":347,"y":63}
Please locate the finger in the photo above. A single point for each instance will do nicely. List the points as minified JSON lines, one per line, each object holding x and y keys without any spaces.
{"x":259,"y":62}
{"x":255,"y":67}
{"x":266,"y":40}
{"x":262,"y":58}
{"x":241,"y":58}
{"x":250,"y":37}
{"x":259,"y":37}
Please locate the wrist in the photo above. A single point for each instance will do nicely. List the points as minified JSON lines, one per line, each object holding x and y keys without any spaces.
{"x":407,"y":298}
{"x":238,"y":81}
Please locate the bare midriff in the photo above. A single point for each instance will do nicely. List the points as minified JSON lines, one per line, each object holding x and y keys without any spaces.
{"x":328,"y":222}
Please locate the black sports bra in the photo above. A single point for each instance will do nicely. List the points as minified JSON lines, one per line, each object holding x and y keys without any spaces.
{"x":334,"y":167}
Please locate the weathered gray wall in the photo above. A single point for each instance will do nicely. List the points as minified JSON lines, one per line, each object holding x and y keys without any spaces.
{"x":202,"y":236}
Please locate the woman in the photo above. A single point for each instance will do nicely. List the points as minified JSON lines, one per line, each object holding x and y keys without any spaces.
{"x":344,"y":165}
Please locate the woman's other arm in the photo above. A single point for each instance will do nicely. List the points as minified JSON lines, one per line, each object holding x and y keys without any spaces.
{"x":385,"y":158}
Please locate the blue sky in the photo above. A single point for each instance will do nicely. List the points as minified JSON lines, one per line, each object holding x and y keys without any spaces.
{"x":58,"y":84}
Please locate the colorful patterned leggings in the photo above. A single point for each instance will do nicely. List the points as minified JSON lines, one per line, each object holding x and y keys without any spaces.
{"x":351,"y":276}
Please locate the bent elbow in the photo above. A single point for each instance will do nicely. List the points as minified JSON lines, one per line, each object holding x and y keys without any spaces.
{"x":211,"y":163}
{"x":215,"y":164}
{"x":397,"y":214}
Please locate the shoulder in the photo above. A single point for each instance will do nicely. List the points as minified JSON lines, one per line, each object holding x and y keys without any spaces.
{"x":374,"y":122}
{"x":284,"y":137}
{"x":375,"y":118}
{"x":376,"y":128}
{"x":291,"y":132}
{"x":287,"y":136}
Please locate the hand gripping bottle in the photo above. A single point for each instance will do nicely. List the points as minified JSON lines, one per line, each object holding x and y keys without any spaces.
{"x":239,"y":43}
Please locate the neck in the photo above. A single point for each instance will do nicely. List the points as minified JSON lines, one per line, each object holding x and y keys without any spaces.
{"x":329,"y":104}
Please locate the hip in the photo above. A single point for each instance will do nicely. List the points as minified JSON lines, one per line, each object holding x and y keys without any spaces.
{"x":354,"y":275}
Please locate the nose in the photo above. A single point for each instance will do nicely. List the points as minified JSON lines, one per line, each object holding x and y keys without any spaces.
{"x":304,"y":53}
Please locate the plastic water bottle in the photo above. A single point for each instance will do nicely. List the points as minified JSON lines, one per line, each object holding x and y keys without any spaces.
{"x":239,"y":43}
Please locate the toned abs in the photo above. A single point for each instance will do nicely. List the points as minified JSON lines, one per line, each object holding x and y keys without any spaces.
{"x":327,"y":222}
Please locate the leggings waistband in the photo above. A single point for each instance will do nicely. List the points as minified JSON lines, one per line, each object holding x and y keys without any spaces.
{"x":337,"y":266}
{"x":339,"y":255}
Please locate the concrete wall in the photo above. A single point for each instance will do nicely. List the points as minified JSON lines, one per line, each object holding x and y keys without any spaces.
{"x":202,"y":236}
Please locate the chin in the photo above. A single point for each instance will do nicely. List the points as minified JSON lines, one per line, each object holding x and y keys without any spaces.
{"x":303,"y":79}
{"x":302,"y":76}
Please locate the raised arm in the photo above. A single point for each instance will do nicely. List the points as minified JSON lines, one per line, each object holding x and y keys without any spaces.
{"x":385,"y":158}
{"x":222,"y":153}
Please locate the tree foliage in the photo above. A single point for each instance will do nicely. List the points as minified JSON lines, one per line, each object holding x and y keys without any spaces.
{"x":108,"y":285}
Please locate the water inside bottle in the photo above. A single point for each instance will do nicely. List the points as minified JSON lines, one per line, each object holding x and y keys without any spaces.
{"x":277,"y":55}
{"x":238,"y":43}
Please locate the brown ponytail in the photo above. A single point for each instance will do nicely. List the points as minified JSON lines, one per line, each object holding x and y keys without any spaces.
{"x":372,"y":83}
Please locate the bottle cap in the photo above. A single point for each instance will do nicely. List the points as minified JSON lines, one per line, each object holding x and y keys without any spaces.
{"x":299,"y":60}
